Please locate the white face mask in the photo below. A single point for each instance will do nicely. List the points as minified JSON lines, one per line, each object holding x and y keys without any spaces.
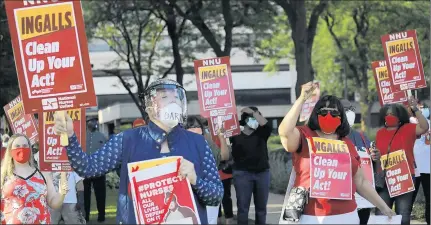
{"x":252,"y":123}
{"x":426,"y":112}
{"x":171,"y":115}
{"x":350,"y":117}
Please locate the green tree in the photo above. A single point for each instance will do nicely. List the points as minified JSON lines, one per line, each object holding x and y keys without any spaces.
{"x":209,"y":16}
{"x":301,"y":18}
{"x":8,"y":79}
{"x":134,"y":32}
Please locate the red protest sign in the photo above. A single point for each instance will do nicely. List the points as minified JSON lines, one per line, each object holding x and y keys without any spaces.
{"x":53,"y":156}
{"x":20,"y":122}
{"x":215,"y":89}
{"x":308,"y":105}
{"x":402,"y":55}
{"x":161,"y":197}
{"x":229,"y":122}
{"x":51,"y":54}
{"x":367,"y":169}
{"x":398,"y":176}
{"x":330,"y":169}
{"x":383,"y":84}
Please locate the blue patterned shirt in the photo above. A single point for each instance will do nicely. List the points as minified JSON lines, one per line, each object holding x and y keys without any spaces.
{"x":144,"y":143}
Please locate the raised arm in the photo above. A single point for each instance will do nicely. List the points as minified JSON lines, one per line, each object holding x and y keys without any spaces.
{"x":289,"y":134}
{"x":104,"y":160}
{"x":208,"y":187}
{"x":99,"y":163}
{"x":55,"y":198}
{"x":422,"y":127}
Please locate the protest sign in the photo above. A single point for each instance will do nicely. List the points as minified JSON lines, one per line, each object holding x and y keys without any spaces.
{"x":20,"y":122}
{"x":385,"y":220}
{"x":383,"y":84}
{"x":53,"y":156}
{"x":51,"y":54}
{"x":367,"y":169}
{"x":403,"y":58}
{"x":160,"y":196}
{"x":330,"y":169}
{"x":229,"y":122}
{"x":398,"y":176}
{"x":309,"y":104}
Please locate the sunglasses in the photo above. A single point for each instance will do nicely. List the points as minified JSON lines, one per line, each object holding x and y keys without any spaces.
{"x":324,"y":112}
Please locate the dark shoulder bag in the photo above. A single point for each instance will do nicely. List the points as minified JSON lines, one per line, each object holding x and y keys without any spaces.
{"x":380,"y":175}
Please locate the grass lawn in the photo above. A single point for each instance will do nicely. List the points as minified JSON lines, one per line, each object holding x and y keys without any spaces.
{"x":111,"y":207}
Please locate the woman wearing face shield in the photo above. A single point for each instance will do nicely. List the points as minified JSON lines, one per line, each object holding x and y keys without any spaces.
{"x":166,"y":105}
{"x":327,"y":122}
{"x":397,"y":133}
{"x":362,"y":144}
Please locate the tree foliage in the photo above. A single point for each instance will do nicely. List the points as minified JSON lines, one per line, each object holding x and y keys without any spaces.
{"x":8,"y":79}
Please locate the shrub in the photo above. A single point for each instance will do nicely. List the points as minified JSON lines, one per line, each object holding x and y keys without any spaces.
{"x":419,"y":206}
{"x":280,"y":168}
{"x":274,"y":143}
{"x":112,"y":180}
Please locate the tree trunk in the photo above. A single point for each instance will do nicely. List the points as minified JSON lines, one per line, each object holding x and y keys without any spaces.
{"x":172,"y":31}
{"x":365,"y":109}
{"x":303,"y":64}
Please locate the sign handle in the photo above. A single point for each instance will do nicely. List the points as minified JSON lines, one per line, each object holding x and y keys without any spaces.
{"x":64,"y":139}
{"x":409,"y":93}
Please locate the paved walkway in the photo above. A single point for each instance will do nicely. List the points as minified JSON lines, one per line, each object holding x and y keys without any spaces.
{"x":275,"y":203}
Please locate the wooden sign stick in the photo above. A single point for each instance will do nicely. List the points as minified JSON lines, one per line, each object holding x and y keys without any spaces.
{"x":64,"y":139}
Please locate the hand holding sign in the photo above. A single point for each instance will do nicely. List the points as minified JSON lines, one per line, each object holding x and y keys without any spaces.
{"x":307,"y":90}
{"x":63,"y":124}
{"x":187,"y":169}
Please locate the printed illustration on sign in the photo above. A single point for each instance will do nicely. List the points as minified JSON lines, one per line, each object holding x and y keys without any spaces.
{"x":308,"y":105}
{"x":398,"y":176}
{"x":51,"y":54}
{"x":383,"y":82}
{"x":403,"y":58}
{"x":160,"y":196}
{"x":330,"y":169}
{"x":20,"y":122}
{"x":53,"y":155}
{"x":229,"y":122}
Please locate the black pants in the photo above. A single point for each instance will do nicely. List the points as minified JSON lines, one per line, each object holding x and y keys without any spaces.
{"x":227,"y":200}
{"x":99,"y":185}
{"x":424,"y":179}
{"x":364,"y":215}
{"x":403,"y":204}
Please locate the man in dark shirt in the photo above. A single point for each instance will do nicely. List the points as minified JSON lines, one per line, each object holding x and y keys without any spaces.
{"x":251,"y":166}
{"x":95,"y":140}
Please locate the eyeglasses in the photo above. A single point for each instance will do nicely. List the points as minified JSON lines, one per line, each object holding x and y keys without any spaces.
{"x":351,"y":108}
{"x":324,"y":112}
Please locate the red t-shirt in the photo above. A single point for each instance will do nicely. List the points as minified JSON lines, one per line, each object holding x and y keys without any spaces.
{"x":301,"y":162}
{"x":404,"y":139}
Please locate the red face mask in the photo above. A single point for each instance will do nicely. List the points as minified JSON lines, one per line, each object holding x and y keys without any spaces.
{"x":21,"y":155}
{"x":329,"y":124}
{"x":391,"y":121}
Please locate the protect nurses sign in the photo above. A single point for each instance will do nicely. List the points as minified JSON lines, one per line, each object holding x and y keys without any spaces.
{"x":403,"y":59}
{"x":51,"y":54}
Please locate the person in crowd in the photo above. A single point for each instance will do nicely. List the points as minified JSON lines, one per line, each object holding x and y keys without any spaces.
{"x":138,"y":123}
{"x":166,"y":104}
{"x":2,"y":150}
{"x":95,"y":140}
{"x":27,"y":193}
{"x":225,"y":172}
{"x":251,"y":164}
{"x":195,"y":125}
{"x":362,"y":144}
{"x":398,"y":133}
{"x":422,"y":156}
{"x":4,"y":136}
{"x":72,"y":209}
{"x":328,"y":121}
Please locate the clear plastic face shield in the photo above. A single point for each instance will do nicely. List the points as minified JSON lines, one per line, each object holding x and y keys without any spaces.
{"x":166,"y":103}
